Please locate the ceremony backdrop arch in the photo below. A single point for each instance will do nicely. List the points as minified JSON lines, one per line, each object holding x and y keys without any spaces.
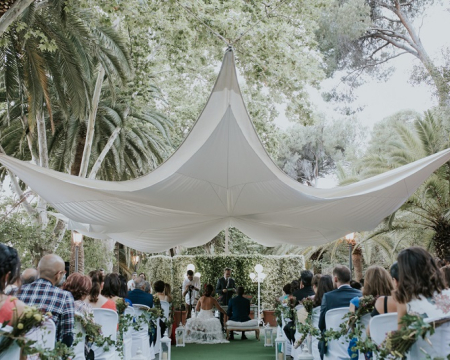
{"x":280,"y":270}
{"x":221,"y":176}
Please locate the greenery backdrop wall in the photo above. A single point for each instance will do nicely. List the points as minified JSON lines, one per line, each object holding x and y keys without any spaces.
{"x":280,"y":270}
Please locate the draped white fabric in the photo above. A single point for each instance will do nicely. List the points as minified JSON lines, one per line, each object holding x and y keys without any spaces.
{"x":222,"y":176}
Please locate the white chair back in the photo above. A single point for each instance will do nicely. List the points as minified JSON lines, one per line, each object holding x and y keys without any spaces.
{"x":79,"y":348}
{"x":315,"y":341}
{"x":140,"y":338}
{"x":365,"y":320}
{"x":108,"y":320}
{"x":44,"y":335}
{"x":380,"y":325}
{"x":288,"y":343}
{"x":128,"y":337}
{"x":13,"y":352}
{"x":157,"y":345}
{"x":435,"y":346}
{"x":337,"y":349}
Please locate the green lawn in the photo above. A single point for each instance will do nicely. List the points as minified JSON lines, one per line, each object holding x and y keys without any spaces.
{"x":236,"y":350}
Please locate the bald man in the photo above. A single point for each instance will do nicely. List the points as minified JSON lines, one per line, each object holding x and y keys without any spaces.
{"x":28,"y":276}
{"x":45,"y":294}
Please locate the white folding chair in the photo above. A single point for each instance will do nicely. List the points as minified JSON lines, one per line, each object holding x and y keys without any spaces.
{"x":380,"y":325}
{"x":365,"y":320}
{"x":78,"y":349}
{"x":128,"y":336}
{"x":44,"y":335}
{"x":165,"y":306}
{"x":108,"y":320}
{"x":436,"y":345}
{"x":13,"y":352}
{"x":337,"y":349}
{"x":140,"y":338}
{"x":315,"y":341}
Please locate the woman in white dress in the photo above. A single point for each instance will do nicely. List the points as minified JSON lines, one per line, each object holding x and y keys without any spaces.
{"x":205,"y":328}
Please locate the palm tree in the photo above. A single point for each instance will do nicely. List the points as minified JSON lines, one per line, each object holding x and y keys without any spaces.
{"x":427,"y":211}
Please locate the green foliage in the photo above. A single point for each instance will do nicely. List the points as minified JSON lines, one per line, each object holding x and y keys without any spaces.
{"x":311,"y":152}
{"x":280,"y":270}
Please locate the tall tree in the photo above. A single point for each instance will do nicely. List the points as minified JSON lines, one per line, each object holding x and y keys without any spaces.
{"x":361,"y":35}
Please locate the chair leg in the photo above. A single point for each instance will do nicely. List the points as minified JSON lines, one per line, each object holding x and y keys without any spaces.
{"x":228,"y":334}
{"x":257,"y":334}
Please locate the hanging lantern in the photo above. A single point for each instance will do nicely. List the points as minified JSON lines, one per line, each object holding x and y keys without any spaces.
{"x":268,"y":336}
{"x":280,"y":346}
{"x":164,"y":353}
{"x":180,"y":334}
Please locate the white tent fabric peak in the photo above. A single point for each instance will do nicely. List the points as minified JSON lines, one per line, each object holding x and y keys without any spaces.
{"x":221,"y":176}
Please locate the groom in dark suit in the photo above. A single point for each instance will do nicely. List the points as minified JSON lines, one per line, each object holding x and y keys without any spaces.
{"x":340,"y":297}
{"x":225,"y":287}
{"x":239,"y":310}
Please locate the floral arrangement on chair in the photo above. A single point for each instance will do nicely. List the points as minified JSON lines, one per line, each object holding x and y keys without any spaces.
{"x":307,"y":327}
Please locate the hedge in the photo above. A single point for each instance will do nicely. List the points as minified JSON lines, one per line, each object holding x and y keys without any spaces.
{"x":280,"y":270}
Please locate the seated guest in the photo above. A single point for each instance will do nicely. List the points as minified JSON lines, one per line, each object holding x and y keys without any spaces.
{"x":80,"y":287}
{"x":45,"y":294}
{"x":123,"y":289}
{"x":421,"y":288}
{"x":287,"y":292}
{"x":305,"y":286}
{"x":239,"y":310}
{"x":111,"y":287}
{"x":147,"y":287}
{"x":387,"y":304}
{"x":28,"y":276}
{"x":168,"y":292}
{"x":295,"y":285}
{"x":355,"y":284}
{"x":10,"y":309}
{"x":445,"y":270}
{"x":138,"y":295}
{"x":321,"y":285}
{"x":340,"y":297}
{"x":159,"y":288}
{"x":378,"y":283}
{"x":96,"y":299}
{"x":315,"y":283}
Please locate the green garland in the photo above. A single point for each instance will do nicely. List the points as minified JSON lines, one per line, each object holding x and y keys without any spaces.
{"x":352,"y":328}
{"x":285,"y":310}
{"x":307,"y":327}
{"x":93,"y":332}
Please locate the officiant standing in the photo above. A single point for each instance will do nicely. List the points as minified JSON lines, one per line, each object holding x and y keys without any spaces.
{"x":225,"y":288}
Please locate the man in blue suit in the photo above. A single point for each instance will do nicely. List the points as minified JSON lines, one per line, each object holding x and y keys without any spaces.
{"x":239,"y":310}
{"x":138,"y":295}
{"x":340,"y":297}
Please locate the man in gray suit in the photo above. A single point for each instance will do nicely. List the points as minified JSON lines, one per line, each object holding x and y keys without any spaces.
{"x":340,"y":297}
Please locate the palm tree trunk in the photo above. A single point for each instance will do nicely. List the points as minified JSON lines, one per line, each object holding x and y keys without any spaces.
{"x":13,"y":14}
{"x":110,"y":245}
{"x":357,"y":259}
{"x":441,"y":240}
{"x":80,"y":258}
{"x":91,"y":123}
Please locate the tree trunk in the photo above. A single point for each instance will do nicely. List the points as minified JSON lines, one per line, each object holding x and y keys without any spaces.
{"x":43,"y":161}
{"x":116,"y":267}
{"x":357,"y":259}
{"x":104,"y":152}
{"x":80,"y":258}
{"x":441,"y":240}
{"x":91,"y":123}
{"x":13,"y":14}
{"x":110,"y":246}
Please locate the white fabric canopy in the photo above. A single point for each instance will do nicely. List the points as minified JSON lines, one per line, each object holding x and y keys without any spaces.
{"x":222,"y":176}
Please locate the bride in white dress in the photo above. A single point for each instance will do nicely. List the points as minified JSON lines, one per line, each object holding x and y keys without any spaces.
{"x":205,"y":328}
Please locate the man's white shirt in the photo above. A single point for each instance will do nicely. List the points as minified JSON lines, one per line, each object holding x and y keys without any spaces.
{"x":130,"y":285}
{"x":196,"y":283}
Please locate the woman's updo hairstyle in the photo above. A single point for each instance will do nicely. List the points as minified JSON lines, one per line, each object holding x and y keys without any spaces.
{"x":9,"y":263}
{"x":208,"y":290}
{"x":97,"y":281}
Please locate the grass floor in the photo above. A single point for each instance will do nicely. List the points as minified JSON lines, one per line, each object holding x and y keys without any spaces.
{"x":236,"y":350}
